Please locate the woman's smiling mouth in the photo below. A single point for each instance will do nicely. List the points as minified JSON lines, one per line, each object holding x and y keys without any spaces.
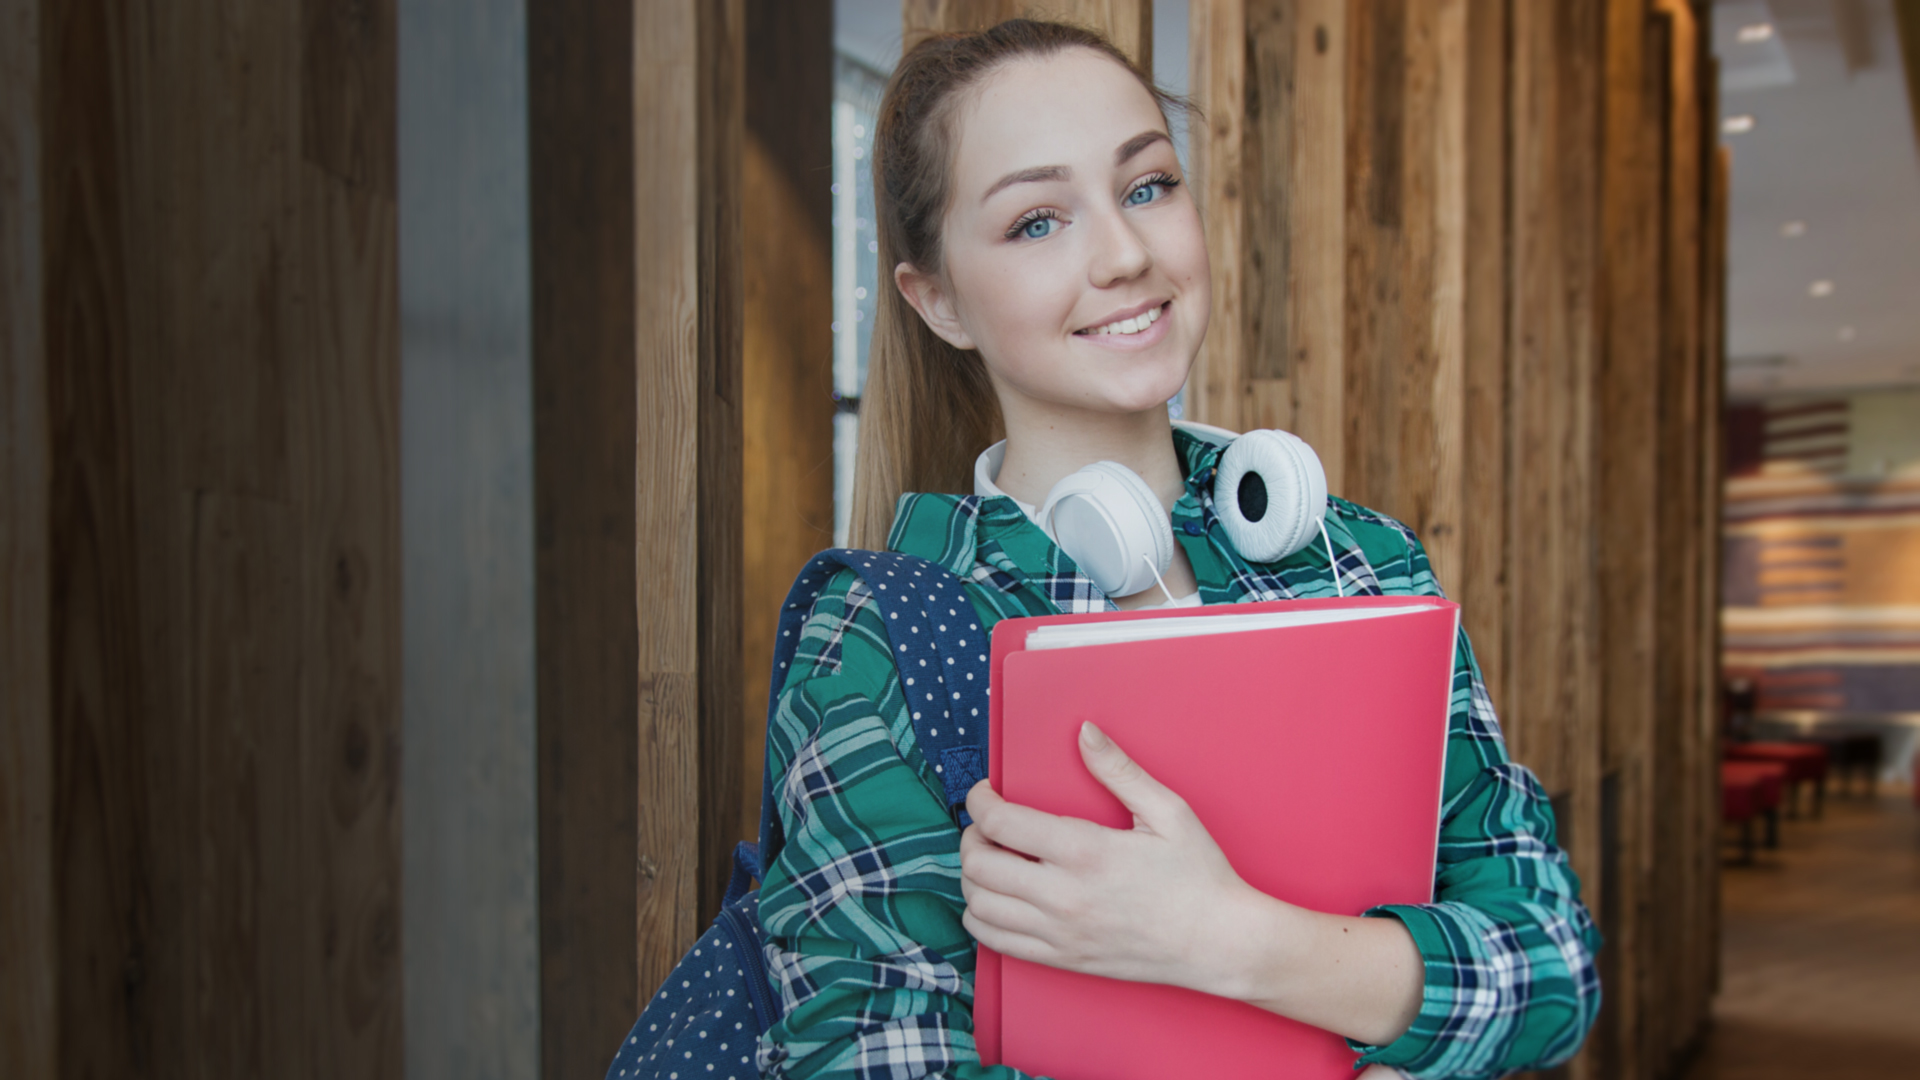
{"x":1128,"y":326}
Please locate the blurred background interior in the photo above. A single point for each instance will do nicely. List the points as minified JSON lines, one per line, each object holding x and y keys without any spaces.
{"x":412,"y":411}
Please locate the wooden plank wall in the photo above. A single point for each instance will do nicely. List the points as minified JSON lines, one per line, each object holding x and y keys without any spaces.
{"x":581,"y":148}
{"x":1458,"y":247}
{"x":29,"y":960}
{"x":1551,"y":714}
{"x":637,"y":123}
{"x":1683,"y":865}
{"x":212,"y":458}
{"x":1126,"y":23}
{"x":1629,"y":501}
{"x":787,"y":231}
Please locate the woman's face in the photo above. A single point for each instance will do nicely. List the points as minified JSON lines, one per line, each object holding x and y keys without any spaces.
{"x":1074,"y":257}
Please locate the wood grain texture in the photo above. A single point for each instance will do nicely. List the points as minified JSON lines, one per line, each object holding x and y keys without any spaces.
{"x":589,"y":693}
{"x":1551,"y":716}
{"x":1317,"y":232}
{"x":1126,"y":23}
{"x":1480,"y":586}
{"x":1217,"y":73}
{"x":101,"y":874}
{"x":29,"y":960}
{"x":1629,"y":364}
{"x":223,"y":376}
{"x":1664,"y":854}
{"x":636,"y":135}
{"x":1270,"y":164}
{"x":721,"y":777}
{"x":1695,"y":785}
{"x":1260,"y":170}
{"x":1679,"y":853}
{"x":787,"y":406}
{"x":1406,"y":215}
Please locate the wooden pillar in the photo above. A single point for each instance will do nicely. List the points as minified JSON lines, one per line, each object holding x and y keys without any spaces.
{"x":1552,"y":713}
{"x":29,"y":959}
{"x":1710,"y":288}
{"x":1629,"y":507}
{"x":1126,"y":23}
{"x":1480,"y":584}
{"x":636,"y":118}
{"x":201,"y":402}
{"x":787,"y":215}
{"x":1683,"y":869}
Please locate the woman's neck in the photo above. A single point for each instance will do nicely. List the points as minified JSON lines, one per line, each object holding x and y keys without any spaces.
{"x":1043,"y":450}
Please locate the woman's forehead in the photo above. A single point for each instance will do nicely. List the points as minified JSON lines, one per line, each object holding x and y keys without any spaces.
{"x":1073,"y":108}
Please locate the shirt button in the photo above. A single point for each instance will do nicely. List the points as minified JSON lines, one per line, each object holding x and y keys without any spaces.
{"x":1193,"y":528}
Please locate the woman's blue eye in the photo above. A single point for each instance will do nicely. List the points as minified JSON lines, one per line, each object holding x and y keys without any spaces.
{"x":1143,"y":194}
{"x":1038,"y":228}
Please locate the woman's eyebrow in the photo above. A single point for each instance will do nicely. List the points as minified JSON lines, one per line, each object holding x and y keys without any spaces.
{"x":1036,"y":174}
{"x":1136,"y":144}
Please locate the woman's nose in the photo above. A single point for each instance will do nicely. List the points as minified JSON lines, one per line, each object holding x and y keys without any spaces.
{"x":1120,"y":254}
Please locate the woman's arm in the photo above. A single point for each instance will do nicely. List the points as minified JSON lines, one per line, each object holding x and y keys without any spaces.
{"x":1160,"y":903}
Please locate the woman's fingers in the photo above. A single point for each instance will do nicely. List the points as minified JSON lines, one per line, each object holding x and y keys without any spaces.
{"x":1008,"y":913}
{"x":1024,"y":829}
{"x":984,"y":863}
{"x":1148,"y":799}
{"x":1006,"y":942}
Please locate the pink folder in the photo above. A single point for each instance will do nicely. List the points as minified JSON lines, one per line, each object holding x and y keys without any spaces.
{"x":1313,"y":754}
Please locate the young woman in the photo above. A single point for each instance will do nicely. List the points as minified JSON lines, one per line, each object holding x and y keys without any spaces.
{"x":1052,"y":284}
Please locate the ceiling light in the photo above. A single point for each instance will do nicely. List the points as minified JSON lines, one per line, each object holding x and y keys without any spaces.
{"x":1737,"y":125}
{"x":1846,"y":333}
{"x":1793,"y":228}
{"x":1823,"y":287}
{"x":1755,"y":33}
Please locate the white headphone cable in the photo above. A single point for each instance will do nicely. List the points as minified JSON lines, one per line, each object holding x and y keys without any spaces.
{"x":1332,"y":563}
{"x":1157,"y":581}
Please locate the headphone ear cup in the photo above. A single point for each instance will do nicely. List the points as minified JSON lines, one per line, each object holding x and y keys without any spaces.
{"x":1110,"y":524}
{"x":1270,"y":493}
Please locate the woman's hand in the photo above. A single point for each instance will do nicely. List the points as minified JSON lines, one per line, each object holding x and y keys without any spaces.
{"x":1157,"y":903}
{"x":1160,"y":903}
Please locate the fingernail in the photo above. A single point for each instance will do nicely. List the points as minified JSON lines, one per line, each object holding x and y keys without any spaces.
{"x":1093,"y":737}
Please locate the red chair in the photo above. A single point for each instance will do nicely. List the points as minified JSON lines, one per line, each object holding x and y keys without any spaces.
{"x":1805,"y":763}
{"x":1749,"y":790}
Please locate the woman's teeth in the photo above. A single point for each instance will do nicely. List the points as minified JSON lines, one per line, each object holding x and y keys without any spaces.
{"x":1129,"y":326}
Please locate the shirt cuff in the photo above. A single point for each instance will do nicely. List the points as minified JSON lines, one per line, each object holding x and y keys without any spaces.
{"x":1416,"y":1043}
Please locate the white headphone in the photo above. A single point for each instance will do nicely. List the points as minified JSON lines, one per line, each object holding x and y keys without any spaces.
{"x":1270,"y":492}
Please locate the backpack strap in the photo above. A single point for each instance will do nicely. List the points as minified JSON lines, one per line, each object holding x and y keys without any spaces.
{"x":939,"y":647}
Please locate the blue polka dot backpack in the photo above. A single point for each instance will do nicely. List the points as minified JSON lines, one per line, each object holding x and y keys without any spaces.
{"x":707,"y":1019}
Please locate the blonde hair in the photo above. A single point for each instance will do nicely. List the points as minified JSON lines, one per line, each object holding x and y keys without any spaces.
{"x":928,"y":408}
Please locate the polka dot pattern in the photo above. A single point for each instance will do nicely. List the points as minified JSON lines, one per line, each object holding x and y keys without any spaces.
{"x":705,"y":1022}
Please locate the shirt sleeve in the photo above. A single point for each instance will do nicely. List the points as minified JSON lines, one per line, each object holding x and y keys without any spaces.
{"x":862,"y":904}
{"x":1509,"y":947}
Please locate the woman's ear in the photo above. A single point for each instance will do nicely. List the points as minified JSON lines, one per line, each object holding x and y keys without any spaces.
{"x":928,"y":297}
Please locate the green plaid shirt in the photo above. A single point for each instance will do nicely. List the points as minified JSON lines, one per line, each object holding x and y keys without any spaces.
{"x":863,"y":903}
